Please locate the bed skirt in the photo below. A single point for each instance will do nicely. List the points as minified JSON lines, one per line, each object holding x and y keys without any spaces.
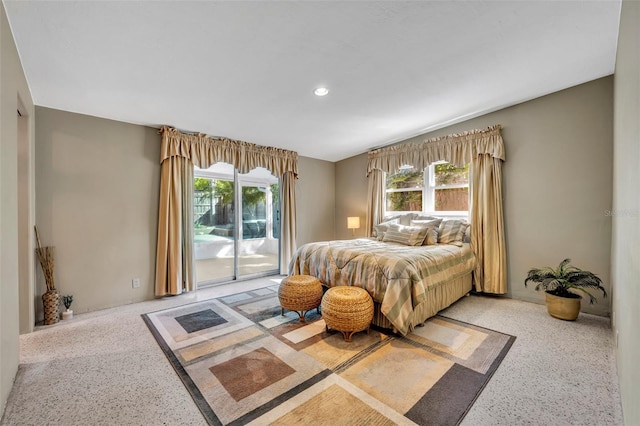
{"x":439,"y":298}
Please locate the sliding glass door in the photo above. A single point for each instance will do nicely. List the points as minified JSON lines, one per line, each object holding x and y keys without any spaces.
{"x":236,"y":224}
{"x":259,"y":244}
{"x":214,"y":226}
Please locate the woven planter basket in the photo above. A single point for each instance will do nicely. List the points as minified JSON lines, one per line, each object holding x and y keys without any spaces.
{"x":347,"y":309}
{"x":300,"y":293}
{"x":51,"y":301}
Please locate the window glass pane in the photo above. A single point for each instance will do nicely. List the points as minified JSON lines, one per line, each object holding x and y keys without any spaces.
{"x":213,"y":226}
{"x":254,"y":212}
{"x":448,"y":174}
{"x":223,"y":193}
{"x":411,"y":181}
{"x":275,"y":209}
{"x":452,"y":199}
{"x":405,"y":178}
{"x":212,"y":208}
{"x":404,"y":201}
{"x":202,"y":204}
{"x":258,"y":244}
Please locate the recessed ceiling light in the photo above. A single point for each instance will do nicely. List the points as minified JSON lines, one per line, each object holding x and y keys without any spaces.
{"x":321,"y":91}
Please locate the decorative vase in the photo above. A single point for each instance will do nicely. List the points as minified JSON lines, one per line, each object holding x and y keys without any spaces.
{"x":51,"y":301}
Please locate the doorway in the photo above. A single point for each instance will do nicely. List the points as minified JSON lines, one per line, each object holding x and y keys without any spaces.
{"x":29,"y":304}
{"x":236,"y":224}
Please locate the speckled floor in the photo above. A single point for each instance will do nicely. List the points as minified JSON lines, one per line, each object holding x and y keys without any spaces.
{"x":105,"y":368}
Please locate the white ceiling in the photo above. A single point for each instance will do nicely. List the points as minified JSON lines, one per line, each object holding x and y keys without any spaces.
{"x":246,"y":70}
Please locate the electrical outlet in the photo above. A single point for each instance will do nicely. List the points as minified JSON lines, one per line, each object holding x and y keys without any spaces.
{"x":135,"y":283}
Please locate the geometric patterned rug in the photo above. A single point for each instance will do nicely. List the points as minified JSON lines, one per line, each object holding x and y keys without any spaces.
{"x":244,"y":363}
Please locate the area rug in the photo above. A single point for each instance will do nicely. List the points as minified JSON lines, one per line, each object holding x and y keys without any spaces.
{"x":245,"y":363}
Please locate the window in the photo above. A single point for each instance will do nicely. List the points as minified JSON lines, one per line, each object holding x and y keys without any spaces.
{"x":442,"y":187}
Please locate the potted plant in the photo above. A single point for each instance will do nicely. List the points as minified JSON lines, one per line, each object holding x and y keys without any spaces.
{"x":68,"y":313}
{"x":557,"y":283}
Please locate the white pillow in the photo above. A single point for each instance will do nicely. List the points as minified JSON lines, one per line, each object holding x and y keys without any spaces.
{"x":405,"y":219}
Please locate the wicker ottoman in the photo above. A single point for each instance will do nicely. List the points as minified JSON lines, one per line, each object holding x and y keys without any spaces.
{"x":300,"y":293}
{"x":347,"y":309}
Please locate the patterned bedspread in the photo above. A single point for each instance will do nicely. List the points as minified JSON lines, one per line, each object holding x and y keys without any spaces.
{"x":397,"y":276}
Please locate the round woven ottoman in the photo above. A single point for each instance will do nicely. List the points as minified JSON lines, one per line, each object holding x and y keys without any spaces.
{"x":300,"y":293}
{"x":347,"y":309}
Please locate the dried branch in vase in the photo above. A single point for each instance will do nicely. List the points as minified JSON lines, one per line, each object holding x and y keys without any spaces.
{"x":45,"y":255}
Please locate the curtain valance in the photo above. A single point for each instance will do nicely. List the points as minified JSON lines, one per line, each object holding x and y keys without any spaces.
{"x":204,"y":151}
{"x":458,"y":149}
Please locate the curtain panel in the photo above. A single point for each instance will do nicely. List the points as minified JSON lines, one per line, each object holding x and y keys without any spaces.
{"x":288,"y":221}
{"x":178,"y":154}
{"x":484,"y":151}
{"x":487,"y":235}
{"x":375,"y":207}
{"x":174,"y":255}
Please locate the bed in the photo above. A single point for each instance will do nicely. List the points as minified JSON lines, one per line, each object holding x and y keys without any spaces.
{"x":408,"y":284}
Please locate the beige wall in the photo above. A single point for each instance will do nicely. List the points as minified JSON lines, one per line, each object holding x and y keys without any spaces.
{"x":351,"y":195}
{"x":97,"y":184}
{"x":625,"y":253}
{"x":315,"y":200}
{"x":14,"y":93}
{"x":557,"y":183}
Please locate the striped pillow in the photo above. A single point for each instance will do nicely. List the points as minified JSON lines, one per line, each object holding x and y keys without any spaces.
{"x":431,"y":238}
{"x":420,"y":217}
{"x":433,"y":224}
{"x":467,"y":235}
{"x":381,"y":228}
{"x":407,"y":235}
{"x":452,"y":232}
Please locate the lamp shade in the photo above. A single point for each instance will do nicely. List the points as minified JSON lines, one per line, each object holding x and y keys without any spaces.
{"x":353,"y":222}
